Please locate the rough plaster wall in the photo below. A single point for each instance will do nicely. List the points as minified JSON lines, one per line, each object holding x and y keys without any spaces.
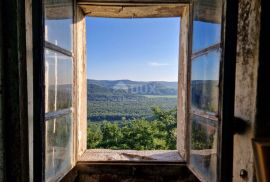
{"x":81,"y":83}
{"x":129,"y":11}
{"x":246,"y":84}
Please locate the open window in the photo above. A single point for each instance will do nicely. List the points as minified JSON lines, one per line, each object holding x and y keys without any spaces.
{"x":200,"y":81}
{"x":65,"y":96}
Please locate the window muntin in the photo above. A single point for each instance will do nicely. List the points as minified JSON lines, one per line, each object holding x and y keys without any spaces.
{"x":204,"y":97}
{"x":206,"y":24}
{"x":59,"y":142}
{"x":58,"y":23}
{"x":204,"y":82}
{"x":203,"y":148}
{"x":58,"y":64}
{"x":208,"y":35}
{"x":58,"y":81}
{"x":204,"y":105}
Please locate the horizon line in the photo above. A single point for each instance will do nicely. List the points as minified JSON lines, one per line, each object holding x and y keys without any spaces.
{"x":131,"y":80}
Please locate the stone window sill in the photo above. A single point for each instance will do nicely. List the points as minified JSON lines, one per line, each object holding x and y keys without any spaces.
{"x":108,"y":155}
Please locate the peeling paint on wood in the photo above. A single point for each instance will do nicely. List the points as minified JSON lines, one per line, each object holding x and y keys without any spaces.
{"x":29,"y":64}
{"x":133,"y":11}
{"x":246,"y":85}
{"x":248,"y":29}
{"x":182,"y":112}
{"x":81,"y":92}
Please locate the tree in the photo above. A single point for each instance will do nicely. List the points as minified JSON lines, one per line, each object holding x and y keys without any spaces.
{"x":94,"y":135}
{"x":111,"y":135}
{"x":138,"y":134}
{"x":168,"y":123}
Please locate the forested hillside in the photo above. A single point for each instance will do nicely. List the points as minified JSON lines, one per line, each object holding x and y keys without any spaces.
{"x":138,"y":87}
{"x":125,"y":99}
{"x":126,"y":114}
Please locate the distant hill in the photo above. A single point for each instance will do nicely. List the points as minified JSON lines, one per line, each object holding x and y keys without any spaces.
{"x":117,"y":99}
{"x":133,"y":87}
{"x":100,"y":93}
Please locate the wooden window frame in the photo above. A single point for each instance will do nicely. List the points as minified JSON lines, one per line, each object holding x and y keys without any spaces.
{"x":226,"y":96}
{"x":214,"y":117}
{"x":40,"y":117}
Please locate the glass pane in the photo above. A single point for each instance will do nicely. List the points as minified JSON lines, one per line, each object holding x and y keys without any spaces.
{"x":58,"y":147}
{"x":206,"y":24}
{"x":58,"y":81}
{"x":58,"y":22}
{"x":203,"y":152}
{"x":204,"y":82}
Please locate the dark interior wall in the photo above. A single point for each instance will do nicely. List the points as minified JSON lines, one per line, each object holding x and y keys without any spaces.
{"x":263,"y":90}
{"x":14,"y":91}
{"x":1,"y":120}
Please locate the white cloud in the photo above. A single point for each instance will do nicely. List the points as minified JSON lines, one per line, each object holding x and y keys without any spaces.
{"x":156,"y":64}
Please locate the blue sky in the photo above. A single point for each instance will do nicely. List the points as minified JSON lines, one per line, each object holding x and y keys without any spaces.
{"x":142,"y":49}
